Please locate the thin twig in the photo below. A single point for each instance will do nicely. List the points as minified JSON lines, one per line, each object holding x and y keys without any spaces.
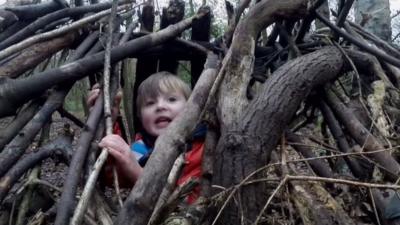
{"x":283,"y":182}
{"x":89,"y":187}
{"x":374,"y":206}
{"x":342,"y":181}
{"x":168,"y":189}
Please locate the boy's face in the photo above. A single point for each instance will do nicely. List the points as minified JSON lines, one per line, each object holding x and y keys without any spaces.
{"x":157,"y":113}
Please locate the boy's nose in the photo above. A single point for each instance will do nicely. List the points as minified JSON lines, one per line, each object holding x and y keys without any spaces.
{"x":161,"y":105}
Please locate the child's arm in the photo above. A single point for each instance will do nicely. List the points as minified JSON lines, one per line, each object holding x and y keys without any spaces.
{"x":124,"y":158}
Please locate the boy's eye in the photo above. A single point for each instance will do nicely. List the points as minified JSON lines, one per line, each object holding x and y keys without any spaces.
{"x":150,"y":102}
{"x":172,"y":99}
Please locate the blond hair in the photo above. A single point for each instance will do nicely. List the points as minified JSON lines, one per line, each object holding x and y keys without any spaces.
{"x":160,"y":83}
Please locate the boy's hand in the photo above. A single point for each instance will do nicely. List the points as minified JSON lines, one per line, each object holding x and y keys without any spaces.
{"x":95,"y":93}
{"x":124,"y":157}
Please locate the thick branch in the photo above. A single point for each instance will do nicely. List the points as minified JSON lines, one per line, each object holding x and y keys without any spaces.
{"x":35,"y":54}
{"x":245,"y":147}
{"x":238,"y":63}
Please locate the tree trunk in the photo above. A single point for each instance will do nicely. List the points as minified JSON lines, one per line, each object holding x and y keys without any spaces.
{"x":246,"y":145}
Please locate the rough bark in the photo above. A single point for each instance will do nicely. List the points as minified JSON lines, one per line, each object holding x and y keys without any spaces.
{"x":238,"y":63}
{"x":246,"y":145}
{"x":317,"y":206}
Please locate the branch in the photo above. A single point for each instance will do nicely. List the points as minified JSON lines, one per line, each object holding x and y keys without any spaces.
{"x":45,"y":20}
{"x":18,"y":123}
{"x":45,"y":36}
{"x":362,"y":136}
{"x":35,"y":54}
{"x":33,"y":11}
{"x":15,"y":92}
{"x":359,"y":44}
{"x":16,"y":148}
{"x":168,"y":189}
{"x":67,"y":199}
{"x":61,"y":147}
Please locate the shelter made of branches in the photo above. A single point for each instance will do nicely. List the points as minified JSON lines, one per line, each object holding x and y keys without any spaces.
{"x":301,"y":123}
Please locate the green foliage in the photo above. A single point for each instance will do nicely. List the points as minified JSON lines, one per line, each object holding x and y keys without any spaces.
{"x":184,"y":71}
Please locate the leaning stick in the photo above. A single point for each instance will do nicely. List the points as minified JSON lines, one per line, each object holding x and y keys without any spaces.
{"x":54,"y":33}
{"x":88,"y":190}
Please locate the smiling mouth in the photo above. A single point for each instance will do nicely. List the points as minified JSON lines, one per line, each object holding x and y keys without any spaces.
{"x":163,"y":121}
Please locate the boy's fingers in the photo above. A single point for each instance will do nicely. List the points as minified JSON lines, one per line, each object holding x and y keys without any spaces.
{"x":96,"y":86}
{"x":117,"y":98}
{"x":93,"y":95}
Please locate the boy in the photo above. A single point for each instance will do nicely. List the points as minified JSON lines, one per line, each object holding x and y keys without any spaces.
{"x":161,"y":97}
